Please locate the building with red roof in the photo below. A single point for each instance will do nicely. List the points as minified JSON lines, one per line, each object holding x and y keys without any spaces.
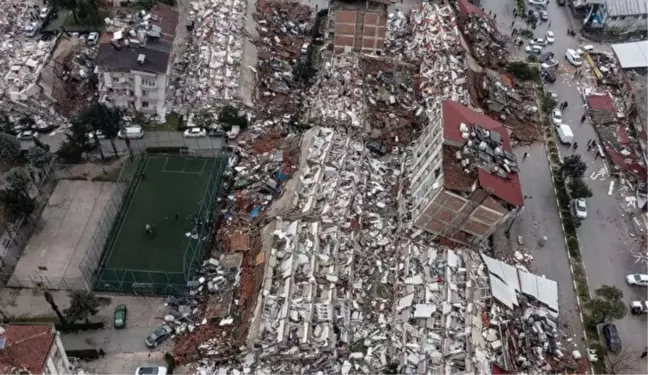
{"x":464,"y":181}
{"x":36,"y":348}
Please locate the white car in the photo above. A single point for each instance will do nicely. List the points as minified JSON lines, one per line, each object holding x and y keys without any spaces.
{"x":639,"y":307}
{"x":556,"y":117}
{"x":131,"y":132}
{"x":639,"y":279}
{"x":100,"y":135}
{"x":534,"y":49}
{"x":579,"y":208}
{"x":538,"y":42}
{"x":151,"y":370}
{"x":195,"y":133}
{"x":542,"y":3}
{"x":550,"y":37}
{"x":44,"y":12}
{"x":31,"y":29}
{"x":553,"y":95}
{"x":573,"y":57}
{"x":550,"y":64}
{"x":544,"y":15}
{"x":27,"y":135}
{"x":93,"y":37}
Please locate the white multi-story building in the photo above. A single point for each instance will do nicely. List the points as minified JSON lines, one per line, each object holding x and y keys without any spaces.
{"x":134,"y":61}
{"x":36,"y":348}
{"x":464,"y":180}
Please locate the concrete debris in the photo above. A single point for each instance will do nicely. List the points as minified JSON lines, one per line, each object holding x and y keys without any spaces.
{"x":208,"y":72}
{"x":333,"y":277}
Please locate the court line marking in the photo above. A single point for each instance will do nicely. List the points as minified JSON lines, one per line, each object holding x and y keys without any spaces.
{"x":121,"y":226}
{"x":183,"y":171}
{"x":166,"y":160}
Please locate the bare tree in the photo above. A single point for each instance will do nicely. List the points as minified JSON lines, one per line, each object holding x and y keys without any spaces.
{"x":623,"y":362}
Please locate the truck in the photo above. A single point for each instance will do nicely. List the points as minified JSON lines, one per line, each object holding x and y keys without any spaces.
{"x":565,"y":134}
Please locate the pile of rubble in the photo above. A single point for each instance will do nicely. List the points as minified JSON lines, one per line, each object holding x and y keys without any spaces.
{"x":509,"y":101}
{"x":208,"y":71}
{"x":283,"y":65}
{"x":485,"y":42}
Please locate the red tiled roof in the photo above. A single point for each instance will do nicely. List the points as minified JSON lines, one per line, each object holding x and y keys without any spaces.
{"x":601,"y":103}
{"x":508,"y":190}
{"x":26,"y":346}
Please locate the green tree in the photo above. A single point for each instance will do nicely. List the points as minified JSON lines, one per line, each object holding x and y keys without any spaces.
{"x":9,"y":148}
{"x":80,"y":131}
{"x":607,"y":305}
{"x":100,"y":118}
{"x":83,"y":303}
{"x":573,"y":166}
{"x":70,"y":151}
{"x":18,"y":179}
{"x":38,"y":158}
{"x":579,"y":189}
{"x":50,"y":299}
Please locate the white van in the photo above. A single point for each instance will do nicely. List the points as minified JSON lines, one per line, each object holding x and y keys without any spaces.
{"x":131,"y":132}
{"x":573,"y":57}
{"x":565,"y":134}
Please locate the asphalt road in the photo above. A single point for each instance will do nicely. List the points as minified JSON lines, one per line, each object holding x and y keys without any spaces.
{"x":150,"y":139}
{"x":606,"y":239}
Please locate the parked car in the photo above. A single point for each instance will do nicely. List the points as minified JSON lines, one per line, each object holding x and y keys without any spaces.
{"x":546,"y":57}
{"x":27,"y":135}
{"x":533,"y":49}
{"x":544,"y":15}
{"x":158,"y":336}
{"x":551,"y":64}
{"x":100,"y":135}
{"x":533,"y":15}
{"x":31,"y":29}
{"x":639,"y":307}
{"x":120,"y":316}
{"x":195,"y":132}
{"x":579,"y":208}
{"x":131,"y":132}
{"x":573,"y":57}
{"x":548,"y":76}
{"x":541,"y":3}
{"x":638,"y":279}
{"x":550,"y":37}
{"x":612,"y":339}
{"x":539,"y":41}
{"x":304,"y":48}
{"x":562,"y":2}
{"x":152,"y":370}
{"x":556,"y":117}
{"x":44,"y":13}
{"x":93,"y":38}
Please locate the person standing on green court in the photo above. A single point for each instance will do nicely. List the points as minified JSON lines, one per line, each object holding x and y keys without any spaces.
{"x":148,"y":229}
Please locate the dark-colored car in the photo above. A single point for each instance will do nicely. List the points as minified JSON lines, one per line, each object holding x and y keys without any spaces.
{"x":612,"y":339}
{"x":562,"y":2}
{"x":546,"y":56}
{"x":120,"y":316}
{"x":159,"y":336}
{"x":548,"y":76}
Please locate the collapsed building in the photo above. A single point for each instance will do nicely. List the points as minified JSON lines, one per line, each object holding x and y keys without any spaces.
{"x":134,"y":60}
{"x":465,"y":180}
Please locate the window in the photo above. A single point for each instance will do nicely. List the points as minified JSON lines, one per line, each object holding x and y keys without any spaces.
{"x":613,"y":18}
{"x":148,"y":82}
{"x":622,"y":18}
{"x":145,"y":93}
{"x":644,"y":16}
{"x":145,"y":104}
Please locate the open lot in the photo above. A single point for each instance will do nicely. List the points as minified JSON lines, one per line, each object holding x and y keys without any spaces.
{"x":56,"y":249}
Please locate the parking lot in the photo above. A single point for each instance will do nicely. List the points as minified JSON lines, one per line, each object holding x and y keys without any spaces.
{"x":124,"y":349}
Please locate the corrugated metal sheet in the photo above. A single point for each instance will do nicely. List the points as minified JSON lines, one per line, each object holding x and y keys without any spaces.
{"x":632,"y":55}
{"x":618,"y":8}
{"x":507,"y":280}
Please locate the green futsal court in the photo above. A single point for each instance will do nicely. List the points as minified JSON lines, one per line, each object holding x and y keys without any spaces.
{"x":175,"y":195}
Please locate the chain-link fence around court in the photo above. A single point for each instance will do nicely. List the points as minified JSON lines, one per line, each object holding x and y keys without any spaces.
{"x":202,"y":146}
{"x":14,"y":236}
{"x":144,"y":281}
